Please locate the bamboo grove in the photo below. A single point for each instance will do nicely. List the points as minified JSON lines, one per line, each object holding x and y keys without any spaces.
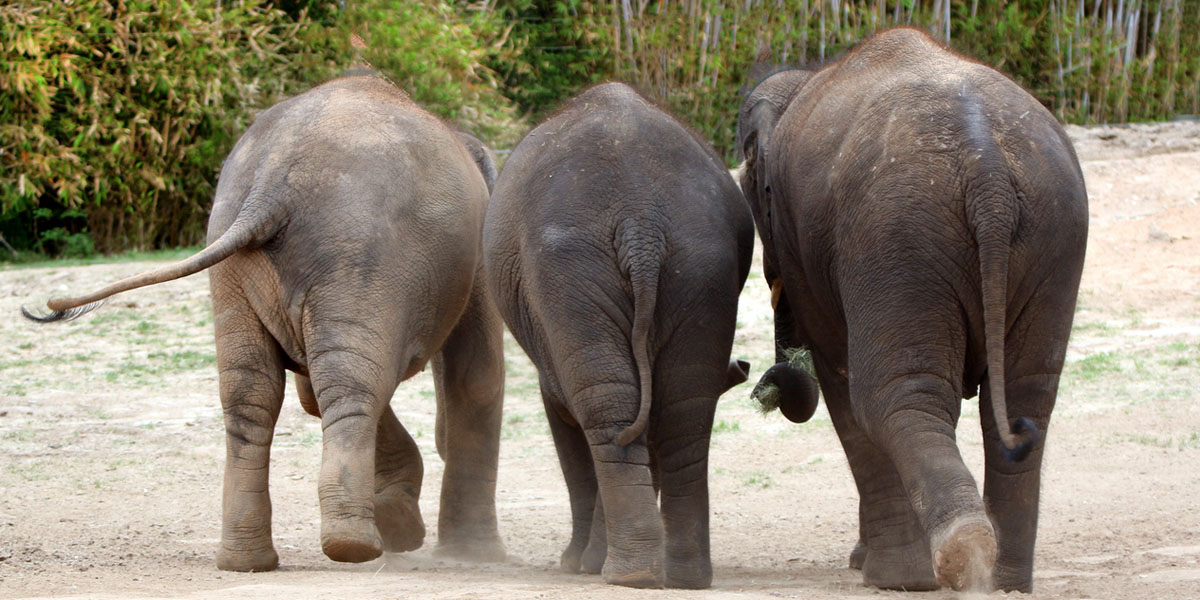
{"x":115,"y":115}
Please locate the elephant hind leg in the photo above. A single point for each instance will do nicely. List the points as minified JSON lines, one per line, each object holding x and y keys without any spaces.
{"x":1011,"y":489}
{"x":917,"y":432}
{"x":690,"y":374}
{"x":398,"y":474}
{"x":892,"y":550}
{"x":588,"y":547}
{"x":596,"y":553}
{"x":251,"y":375}
{"x":469,"y":375}
{"x":632,"y":523}
{"x":352,"y":397}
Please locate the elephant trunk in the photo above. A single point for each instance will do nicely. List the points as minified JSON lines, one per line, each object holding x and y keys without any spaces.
{"x":786,"y":385}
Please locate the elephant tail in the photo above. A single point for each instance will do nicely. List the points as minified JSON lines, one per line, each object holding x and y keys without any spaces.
{"x":644,"y":280}
{"x":993,"y":213}
{"x":248,"y":226}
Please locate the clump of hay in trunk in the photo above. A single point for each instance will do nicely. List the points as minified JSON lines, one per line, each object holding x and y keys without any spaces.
{"x":768,"y":395}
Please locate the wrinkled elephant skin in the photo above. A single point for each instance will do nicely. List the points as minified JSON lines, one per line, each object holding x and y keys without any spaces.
{"x":616,"y":244}
{"x":924,"y":222}
{"x":345,"y":245}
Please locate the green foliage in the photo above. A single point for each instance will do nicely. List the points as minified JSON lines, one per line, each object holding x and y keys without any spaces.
{"x":563,"y":45}
{"x":436,"y":51}
{"x":114,"y":117}
{"x":1087,"y":60}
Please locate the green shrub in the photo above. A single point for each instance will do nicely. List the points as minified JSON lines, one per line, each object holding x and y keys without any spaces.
{"x":1087,"y":61}
{"x":559,"y":48}
{"x":114,"y":117}
{"x":436,"y":51}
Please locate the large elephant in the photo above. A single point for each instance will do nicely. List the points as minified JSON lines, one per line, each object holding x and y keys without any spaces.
{"x":923,"y":222}
{"x":345,"y":245}
{"x":616,"y":245}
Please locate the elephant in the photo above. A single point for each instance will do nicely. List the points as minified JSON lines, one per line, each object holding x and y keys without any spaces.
{"x":616,"y":245}
{"x":344,"y":245}
{"x":923,"y":222}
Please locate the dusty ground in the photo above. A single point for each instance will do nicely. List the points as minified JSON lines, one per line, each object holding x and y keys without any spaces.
{"x":111,"y":444}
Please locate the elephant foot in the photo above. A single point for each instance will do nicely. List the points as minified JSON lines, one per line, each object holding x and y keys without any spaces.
{"x":594,"y":555}
{"x":633,"y":568}
{"x":858,"y":555}
{"x":692,"y":575}
{"x":965,"y":555}
{"x":247,"y":561}
{"x":485,"y":550}
{"x":1013,"y":580}
{"x":351,"y":541}
{"x":900,"y":567}
{"x":398,"y":518}
{"x":570,"y":562}
{"x":645,"y":578}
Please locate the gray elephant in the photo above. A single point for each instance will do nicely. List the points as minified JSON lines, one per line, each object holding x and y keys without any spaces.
{"x":344,"y":245}
{"x":924,"y":222}
{"x":616,"y":245}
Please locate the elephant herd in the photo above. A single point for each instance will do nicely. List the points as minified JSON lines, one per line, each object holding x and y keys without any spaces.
{"x":923,"y":223}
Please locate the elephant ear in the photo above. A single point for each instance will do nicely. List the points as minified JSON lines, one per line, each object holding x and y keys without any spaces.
{"x":482,"y":155}
{"x":758,"y":125}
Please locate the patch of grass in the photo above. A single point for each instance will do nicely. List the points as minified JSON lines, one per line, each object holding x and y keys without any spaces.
{"x":1099,"y":328}
{"x":113,"y":316}
{"x":20,"y":435}
{"x":15,"y":364}
{"x":185,"y":360}
{"x":128,"y":372}
{"x":25,"y":346}
{"x":1189,"y":441}
{"x":143,"y":327}
{"x":1095,"y":366}
{"x":135,"y":371}
{"x":723,"y":426}
{"x":1146,"y":439}
{"x":759,"y":479}
{"x":310,"y":439}
{"x":1179,"y":361}
{"x":16,"y":389}
{"x":519,"y":426}
{"x":1182,"y":354}
{"x":1135,"y":317}
{"x":120,"y":463}
{"x":29,"y":471}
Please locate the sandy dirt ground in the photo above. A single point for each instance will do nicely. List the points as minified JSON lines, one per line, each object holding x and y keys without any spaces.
{"x":112,"y":446}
